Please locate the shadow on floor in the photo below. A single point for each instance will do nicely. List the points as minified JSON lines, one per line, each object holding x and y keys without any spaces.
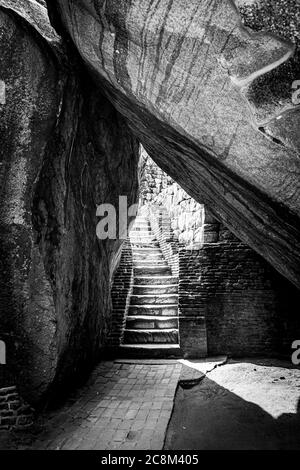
{"x":211,"y":417}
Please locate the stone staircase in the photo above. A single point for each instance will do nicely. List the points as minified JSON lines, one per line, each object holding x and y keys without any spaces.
{"x":152,"y":323}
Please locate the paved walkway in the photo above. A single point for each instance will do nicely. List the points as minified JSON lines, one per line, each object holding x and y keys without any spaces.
{"x":123,"y":406}
{"x":219,"y":404}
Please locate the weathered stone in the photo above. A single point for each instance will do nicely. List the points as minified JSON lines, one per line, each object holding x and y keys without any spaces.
{"x":151,"y":336}
{"x":168,"y":310}
{"x":158,"y":298}
{"x":155,"y":289}
{"x":144,"y":322}
{"x":194,"y":84}
{"x":161,"y":280}
{"x":64,"y":150}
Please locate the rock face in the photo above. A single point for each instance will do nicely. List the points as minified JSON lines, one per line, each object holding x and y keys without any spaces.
{"x":210,"y":100}
{"x":64,"y":150}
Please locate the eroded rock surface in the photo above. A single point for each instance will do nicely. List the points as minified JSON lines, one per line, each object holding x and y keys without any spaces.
{"x":64,"y":150}
{"x":192,"y":81}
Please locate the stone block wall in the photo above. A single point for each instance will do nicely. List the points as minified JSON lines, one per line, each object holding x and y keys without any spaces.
{"x":153,"y":181}
{"x":181,"y":211}
{"x":161,"y":227}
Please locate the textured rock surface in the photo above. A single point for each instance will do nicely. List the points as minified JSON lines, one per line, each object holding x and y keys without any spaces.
{"x":195,"y":87}
{"x":63,"y":152}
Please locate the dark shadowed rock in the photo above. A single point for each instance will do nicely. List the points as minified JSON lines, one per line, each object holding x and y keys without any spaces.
{"x":64,"y":150}
{"x":199,"y":89}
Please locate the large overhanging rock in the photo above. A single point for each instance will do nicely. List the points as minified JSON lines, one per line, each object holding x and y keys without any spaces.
{"x":210,"y":100}
{"x":64,"y":150}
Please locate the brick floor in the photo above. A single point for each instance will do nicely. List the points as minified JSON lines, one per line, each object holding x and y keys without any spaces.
{"x":123,"y":406}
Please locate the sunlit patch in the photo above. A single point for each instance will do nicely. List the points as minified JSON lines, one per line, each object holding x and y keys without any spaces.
{"x":264,"y":386}
{"x":2,"y":92}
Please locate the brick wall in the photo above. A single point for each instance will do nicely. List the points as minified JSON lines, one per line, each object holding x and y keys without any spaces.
{"x":14,"y":412}
{"x":192,"y":321}
{"x":249,"y":308}
{"x":121,"y":292}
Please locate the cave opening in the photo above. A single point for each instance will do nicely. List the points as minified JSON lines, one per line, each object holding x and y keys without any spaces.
{"x":111,"y":328}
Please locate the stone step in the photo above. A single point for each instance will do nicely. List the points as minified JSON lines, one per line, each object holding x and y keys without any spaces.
{"x":162,"y":299}
{"x":153,"y":310}
{"x":151,"y":336}
{"x":150,"y":351}
{"x":150,"y":262}
{"x":142,"y":230}
{"x":142,"y":220}
{"x":154,"y":253}
{"x":155,"y":280}
{"x":147,"y":251}
{"x":143,"y":235}
{"x":141,"y":227}
{"x":158,"y":256}
{"x":148,"y":240}
{"x":155,"y":289}
{"x":151,"y":322}
{"x":148,"y":259}
{"x":140,"y":244}
{"x":142,"y":238}
{"x":147,"y":262}
{"x":140,"y":234}
{"x":148,"y":270}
